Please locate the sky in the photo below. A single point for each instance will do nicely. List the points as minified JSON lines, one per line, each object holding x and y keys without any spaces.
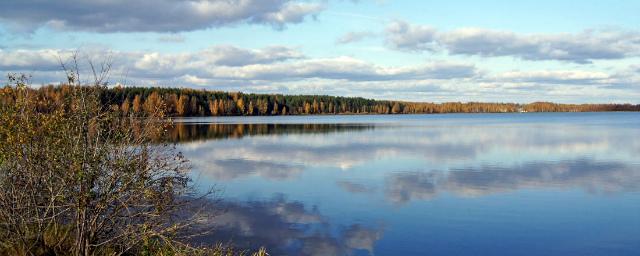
{"x":429,"y":51}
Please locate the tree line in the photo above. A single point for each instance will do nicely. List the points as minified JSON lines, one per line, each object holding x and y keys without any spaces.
{"x":183,"y":102}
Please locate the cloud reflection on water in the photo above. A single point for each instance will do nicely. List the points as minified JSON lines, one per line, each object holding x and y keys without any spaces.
{"x":228,"y":169}
{"x":288,"y":227}
{"x":297,"y":147}
{"x":300,"y":146}
{"x":587,"y":174}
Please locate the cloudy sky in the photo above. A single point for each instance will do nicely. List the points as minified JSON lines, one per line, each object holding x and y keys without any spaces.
{"x":507,"y":51}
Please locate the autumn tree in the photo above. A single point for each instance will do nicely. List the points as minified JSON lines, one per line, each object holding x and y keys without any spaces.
{"x":275,"y":109}
{"x":396,"y":108}
{"x":182,"y":106}
{"x":240,"y":105}
{"x":315,"y":106}
{"x":153,"y":103}
{"x":137,"y":104}
{"x":222,"y":108}
{"x":262,"y":107}
{"x":171,"y":101}
{"x":252,"y":109}
{"x":307,"y":108}
{"x":126,"y":106}
{"x":213,"y":107}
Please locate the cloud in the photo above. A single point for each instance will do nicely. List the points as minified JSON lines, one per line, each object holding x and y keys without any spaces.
{"x":556,"y":77}
{"x":172,"y":38}
{"x":229,"y":63}
{"x":233,"y":56}
{"x":347,"y":68}
{"x":291,"y":13}
{"x":352,"y":37}
{"x":32,"y":60}
{"x":583,"y":47}
{"x":405,"y":36}
{"x":208,"y":63}
{"x":152,"y":15}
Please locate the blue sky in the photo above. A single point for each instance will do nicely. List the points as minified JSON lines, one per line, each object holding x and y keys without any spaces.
{"x":508,"y":51}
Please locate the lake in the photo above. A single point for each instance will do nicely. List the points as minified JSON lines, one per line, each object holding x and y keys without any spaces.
{"x":454,"y":184}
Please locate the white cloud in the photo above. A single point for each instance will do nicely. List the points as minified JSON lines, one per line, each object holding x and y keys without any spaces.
{"x":291,"y":13}
{"x":172,"y":38}
{"x":556,"y":77}
{"x":276,"y":63}
{"x":352,"y":37}
{"x":32,"y":60}
{"x":583,"y":47}
{"x":152,"y":15}
{"x":403,"y":35}
{"x":344,"y":68}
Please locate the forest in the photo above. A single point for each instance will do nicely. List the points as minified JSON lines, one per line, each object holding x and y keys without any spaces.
{"x":183,"y":102}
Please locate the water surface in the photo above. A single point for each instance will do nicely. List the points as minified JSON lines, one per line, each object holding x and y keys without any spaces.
{"x":456,"y":184}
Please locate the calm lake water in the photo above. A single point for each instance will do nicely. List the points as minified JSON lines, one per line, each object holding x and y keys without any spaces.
{"x":457,"y":184}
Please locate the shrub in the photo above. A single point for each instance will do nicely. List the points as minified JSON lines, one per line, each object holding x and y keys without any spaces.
{"x":78,"y":179}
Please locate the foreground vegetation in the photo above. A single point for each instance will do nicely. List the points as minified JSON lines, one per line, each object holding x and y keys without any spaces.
{"x":79,"y":179}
